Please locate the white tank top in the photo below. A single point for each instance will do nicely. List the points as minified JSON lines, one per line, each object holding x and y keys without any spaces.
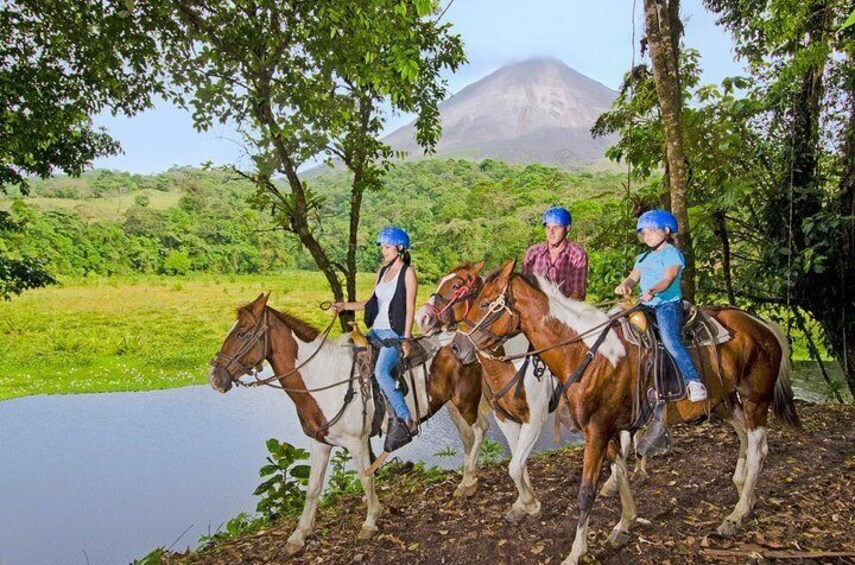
{"x":384,"y":291}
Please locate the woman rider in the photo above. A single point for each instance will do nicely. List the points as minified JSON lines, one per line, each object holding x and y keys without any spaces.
{"x":389,"y":313}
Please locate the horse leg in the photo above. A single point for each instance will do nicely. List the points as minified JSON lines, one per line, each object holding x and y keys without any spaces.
{"x":738,"y":423}
{"x":320,"y":456}
{"x":528,"y":437}
{"x":361,"y":452}
{"x":521,"y":439}
{"x":596,"y":443}
{"x":472,"y":437}
{"x":511,"y":431}
{"x":610,"y":488}
{"x":628,"y":515}
{"x":755,"y":456}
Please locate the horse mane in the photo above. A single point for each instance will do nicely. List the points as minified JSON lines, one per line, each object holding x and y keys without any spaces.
{"x":528,"y":279}
{"x":579,"y":316}
{"x":493,"y":275}
{"x":302,"y":329}
{"x":579,"y":307}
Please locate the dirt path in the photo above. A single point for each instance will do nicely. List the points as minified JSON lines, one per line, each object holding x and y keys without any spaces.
{"x":806,"y":503}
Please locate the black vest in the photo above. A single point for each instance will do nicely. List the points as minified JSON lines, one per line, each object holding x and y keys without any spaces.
{"x":398,"y":306}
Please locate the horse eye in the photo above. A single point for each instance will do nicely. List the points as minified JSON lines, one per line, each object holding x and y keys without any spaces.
{"x":241,"y":334}
{"x":455,"y":286}
{"x":485,"y":304}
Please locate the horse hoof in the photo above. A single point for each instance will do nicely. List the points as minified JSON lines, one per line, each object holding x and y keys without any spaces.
{"x":465,"y":491}
{"x":618,"y":538}
{"x":609,"y":489}
{"x":366,"y":533}
{"x":514,"y":515}
{"x":292,"y":549}
{"x":728,"y":528}
{"x":638,"y":479}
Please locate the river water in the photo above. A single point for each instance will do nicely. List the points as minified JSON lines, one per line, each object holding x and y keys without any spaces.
{"x":106,"y":478}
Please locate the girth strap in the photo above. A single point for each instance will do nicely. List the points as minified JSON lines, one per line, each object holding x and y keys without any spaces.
{"x":589,"y":356}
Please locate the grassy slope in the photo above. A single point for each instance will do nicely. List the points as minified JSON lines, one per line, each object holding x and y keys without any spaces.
{"x":150,"y":332}
{"x":110,"y":208}
{"x":138,"y":333}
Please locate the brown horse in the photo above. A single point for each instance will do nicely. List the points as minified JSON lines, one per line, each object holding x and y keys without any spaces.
{"x":521,"y":406}
{"x":316,"y":373}
{"x":755,"y":374}
{"x":520,"y":403}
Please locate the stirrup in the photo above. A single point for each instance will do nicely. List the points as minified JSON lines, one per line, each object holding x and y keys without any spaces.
{"x":656,"y":440}
{"x":398,"y":435}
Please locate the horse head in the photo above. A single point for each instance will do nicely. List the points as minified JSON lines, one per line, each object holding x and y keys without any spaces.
{"x":452,"y":299}
{"x":244,"y":348}
{"x":491,"y":320}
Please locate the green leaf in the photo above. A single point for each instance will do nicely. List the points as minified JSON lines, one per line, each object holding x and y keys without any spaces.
{"x":267,"y":470}
{"x":850,"y":21}
{"x":301,"y":471}
{"x":424,"y":7}
{"x":273,"y":446}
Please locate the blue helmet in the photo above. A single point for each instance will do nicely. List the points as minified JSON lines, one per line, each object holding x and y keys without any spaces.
{"x":659,"y":219}
{"x":558,"y":215}
{"x":393,"y":236}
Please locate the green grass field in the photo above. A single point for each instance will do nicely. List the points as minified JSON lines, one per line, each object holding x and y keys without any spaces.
{"x":153,"y":332}
{"x":111,"y":208}
{"x":140,"y":333}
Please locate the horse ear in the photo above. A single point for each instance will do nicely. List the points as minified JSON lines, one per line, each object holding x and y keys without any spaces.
{"x":476,"y":268}
{"x":508,"y":269}
{"x":259,"y":303}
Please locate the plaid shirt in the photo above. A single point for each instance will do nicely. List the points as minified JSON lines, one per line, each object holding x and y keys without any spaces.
{"x":569,"y":271}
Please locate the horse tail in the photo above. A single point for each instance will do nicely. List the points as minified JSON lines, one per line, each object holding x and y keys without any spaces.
{"x":782,"y":401}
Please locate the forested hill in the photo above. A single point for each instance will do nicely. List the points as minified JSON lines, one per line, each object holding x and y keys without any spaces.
{"x":187,"y":220}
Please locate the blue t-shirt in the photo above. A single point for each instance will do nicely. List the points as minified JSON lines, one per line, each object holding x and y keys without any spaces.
{"x":652,"y":269}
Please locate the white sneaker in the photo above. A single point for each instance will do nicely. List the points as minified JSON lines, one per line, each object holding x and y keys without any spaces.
{"x":697,"y":391}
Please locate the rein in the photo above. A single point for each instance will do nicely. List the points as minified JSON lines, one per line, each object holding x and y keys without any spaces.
{"x":611,"y":320}
{"x":505,"y":303}
{"x":260,"y":331}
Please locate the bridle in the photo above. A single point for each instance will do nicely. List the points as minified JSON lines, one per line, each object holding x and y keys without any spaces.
{"x":253,"y":338}
{"x":503,"y":303}
{"x":258,"y":335}
{"x":466,"y":292}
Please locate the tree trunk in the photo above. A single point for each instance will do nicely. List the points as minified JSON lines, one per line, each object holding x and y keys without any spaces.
{"x":846,"y":203}
{"x":299,"y":207}
{"x":660,"y":17}
{"x":721,"y":232}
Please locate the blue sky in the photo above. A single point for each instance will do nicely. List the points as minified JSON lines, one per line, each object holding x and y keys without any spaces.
{"x":592,"y":37}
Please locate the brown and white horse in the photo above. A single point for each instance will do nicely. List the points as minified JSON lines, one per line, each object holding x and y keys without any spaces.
{"x":520,"y":412}
{"x":755,"y":374}
{"x":314,"y":372}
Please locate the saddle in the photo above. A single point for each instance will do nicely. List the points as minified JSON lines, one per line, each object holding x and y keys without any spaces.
{"x":659,"y":379}
{"x":365,"y":353}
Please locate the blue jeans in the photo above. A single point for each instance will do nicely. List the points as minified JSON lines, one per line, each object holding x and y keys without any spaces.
{"x":669,"y":316}
{"x":386,"y":360}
